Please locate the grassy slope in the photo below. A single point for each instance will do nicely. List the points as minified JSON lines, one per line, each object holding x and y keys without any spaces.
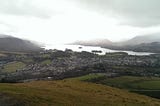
{"x":134,"y":82}
{"x":144,"y":85}
{"x":150,"y":85}
{"x":129,"y":82}
{"x":70,"y":92}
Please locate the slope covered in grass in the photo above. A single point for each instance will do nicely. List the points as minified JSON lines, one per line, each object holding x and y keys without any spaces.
{"x":149,"y":86}
{"x":69,"y":92}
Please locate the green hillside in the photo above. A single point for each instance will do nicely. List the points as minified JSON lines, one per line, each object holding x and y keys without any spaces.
{"x":69,"y":92}
{"x":149,"y":86}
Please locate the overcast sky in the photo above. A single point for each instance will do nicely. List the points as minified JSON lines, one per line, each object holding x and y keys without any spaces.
{"x":63,"y":21}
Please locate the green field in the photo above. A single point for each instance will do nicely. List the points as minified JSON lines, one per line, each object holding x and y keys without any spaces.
{"x":2,"y":55}
{"x":150,"y":85}
{"x":28,"y":61}
{"x":69,"y":92}
{"x":91,"y":77}
{"x":144,"y":85}
{"x":46,"y":62}
{"x":13,"y":66}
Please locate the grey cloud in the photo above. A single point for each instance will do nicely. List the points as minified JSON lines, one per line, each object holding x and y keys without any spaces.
{"x":22,"y":8}
{"x":141,"y":13}
{"x":5,"y":24}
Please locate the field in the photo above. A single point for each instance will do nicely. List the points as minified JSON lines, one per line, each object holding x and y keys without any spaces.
{"x":13,"y":66}
{"x":91,"y":77}
{"x":144,"y":85}
{"x":69,"y":92}
{"x":46,"y":62}
{"x":1,"y":55}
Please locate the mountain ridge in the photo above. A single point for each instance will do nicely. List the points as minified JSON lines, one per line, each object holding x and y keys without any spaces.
{"x":143,"y":43}
{"x":14,"y":44}
{"x":142,"y":39}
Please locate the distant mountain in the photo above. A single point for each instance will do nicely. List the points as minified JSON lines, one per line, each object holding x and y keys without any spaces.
{"x":145,"y":47}
{"x":4,"y":36}
{"x":144,"y":43}
{"x":153,"y":47}
{"x":13,"y":44}
{"x":134,"y":41}
{"x":96,"y":42}
{"x":141,"y":39}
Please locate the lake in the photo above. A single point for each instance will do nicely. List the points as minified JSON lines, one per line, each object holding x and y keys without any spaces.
{"x":80,"y":48}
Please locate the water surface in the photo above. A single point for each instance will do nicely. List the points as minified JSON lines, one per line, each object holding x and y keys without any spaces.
{"x":80,"y":48}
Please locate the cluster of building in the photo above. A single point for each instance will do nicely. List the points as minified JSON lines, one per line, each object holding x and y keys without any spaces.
{"x":76,"y":64}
